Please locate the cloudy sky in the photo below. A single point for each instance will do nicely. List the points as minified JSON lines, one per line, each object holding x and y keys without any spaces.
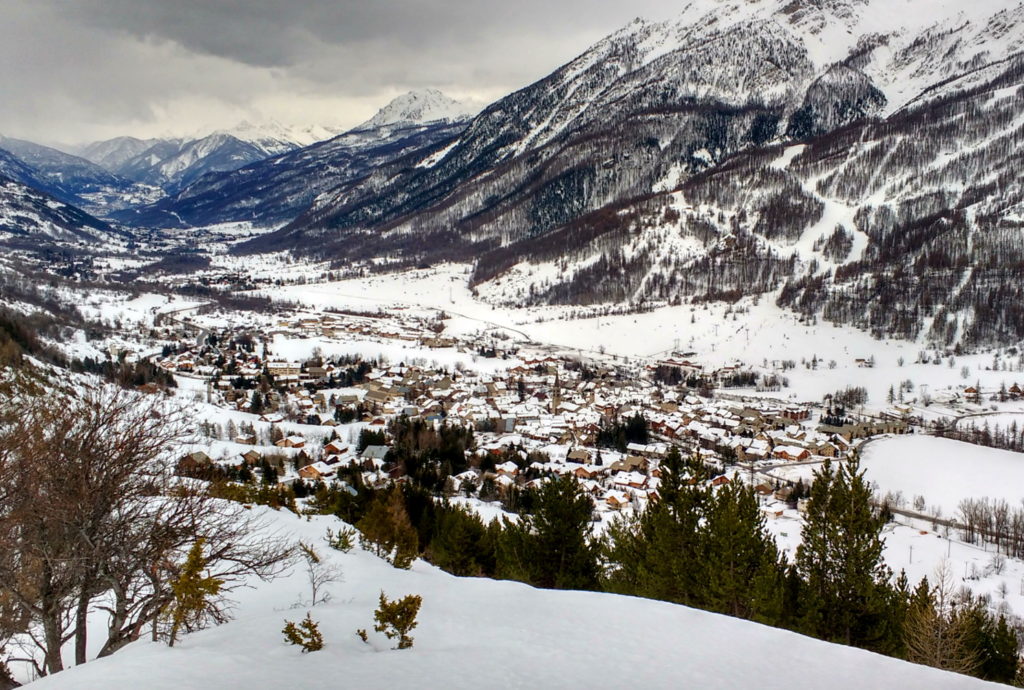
{"x":81,"y":70}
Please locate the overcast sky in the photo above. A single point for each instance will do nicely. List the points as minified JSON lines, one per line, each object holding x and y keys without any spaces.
{"x":81,"y":70}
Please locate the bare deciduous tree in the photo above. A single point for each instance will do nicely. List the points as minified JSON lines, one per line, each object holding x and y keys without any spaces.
{"x":93,"y":521}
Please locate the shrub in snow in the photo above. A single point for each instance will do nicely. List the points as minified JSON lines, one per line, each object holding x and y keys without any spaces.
{"x":343,"y":540}
{"x":397,"y":618}
{"x":306,"y":634}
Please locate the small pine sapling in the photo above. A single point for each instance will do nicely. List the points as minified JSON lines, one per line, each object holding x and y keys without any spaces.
{"x":194,"y":594}
{"x":343,"y":540}
{"x":397,"y":618}
{"x":306,"y":634}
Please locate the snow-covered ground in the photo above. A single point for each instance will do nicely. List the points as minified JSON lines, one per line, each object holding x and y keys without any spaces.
{"x":944,"y":471}
{"x":479,"y":633}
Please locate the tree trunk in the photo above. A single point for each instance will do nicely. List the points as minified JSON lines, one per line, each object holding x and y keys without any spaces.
{"x":53,"y":640}
{"x":81,"y":629}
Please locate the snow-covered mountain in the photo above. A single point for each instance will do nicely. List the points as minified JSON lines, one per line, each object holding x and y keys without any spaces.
{"x":420,"y":107}
{"x":32,"y":219}
{"x":276,"y":138}
{"x":71,"y":179}
{"x":113,"y":153}
{"x":174,"y":163}
{"x":667,"y":154}
{"x":480,"y":633}
{"x":276,"y":189}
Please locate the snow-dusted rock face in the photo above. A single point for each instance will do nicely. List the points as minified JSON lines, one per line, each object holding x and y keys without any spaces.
{"x":419,"y":107}
{"x":666,"y":153}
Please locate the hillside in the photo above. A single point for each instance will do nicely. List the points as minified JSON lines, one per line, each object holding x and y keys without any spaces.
{"x":31,"y":219}
{"x":482,"y":633}
{"x":846,"y":143}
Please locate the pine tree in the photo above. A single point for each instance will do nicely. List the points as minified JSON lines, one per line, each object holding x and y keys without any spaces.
{"x":552,"y":547}
{"x":658,"y":554}
{"x":396,"y":619}
{"x":847,"y":596}
{"x":388,"y":529}
{"x":459,"y":544}
{"x":192,"y":592}
{"x":306,"y":634}
{"x":739,"y":556}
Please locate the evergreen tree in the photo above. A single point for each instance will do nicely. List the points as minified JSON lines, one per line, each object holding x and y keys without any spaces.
{"x":388,"y":529}
{"x":992,"y":641}
{"x":460,"y":544}
{"x":658,"y":554}
{"x":193,"y":592}
{"x":396,"y":619}
{"x":740,"y":557}
{"x":847,"y":595}
{"x":552,"y":547}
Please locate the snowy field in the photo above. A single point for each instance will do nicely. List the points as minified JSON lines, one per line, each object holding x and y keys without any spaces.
{"x":944,"y":471}
{"x":480,"y":633}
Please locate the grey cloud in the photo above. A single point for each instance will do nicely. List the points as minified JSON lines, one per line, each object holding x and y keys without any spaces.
{"x":73,"y":70}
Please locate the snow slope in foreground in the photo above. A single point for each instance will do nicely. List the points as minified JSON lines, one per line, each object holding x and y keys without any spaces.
{"x":477,"y":633}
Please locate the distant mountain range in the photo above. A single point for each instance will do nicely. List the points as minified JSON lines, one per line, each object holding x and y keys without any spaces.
{"x":266,"y":174}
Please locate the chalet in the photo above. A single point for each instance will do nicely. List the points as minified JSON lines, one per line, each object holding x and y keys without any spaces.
{"x":617,"y":499}
{"x":200,"y":457}
{"x":579,"y":455}
{"x":193,"y":462}
{"x":335,"y":448}
{"x":791,"y":453}
{"x":507,"y":469}
{"x":632,"y":480}
{"x":291,"y":442}
{"x":720,"y":480}
{"x":251,"y":457}
{"x":316,"y":471}
{"x":374,"y":453}
{"x":246,"y":439}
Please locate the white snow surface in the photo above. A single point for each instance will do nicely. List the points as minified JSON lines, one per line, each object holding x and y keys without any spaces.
{"x":480,"y":633}
{"x":944,"y":471}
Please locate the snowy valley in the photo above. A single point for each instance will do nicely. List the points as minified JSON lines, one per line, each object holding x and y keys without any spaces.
{"x":698,"y":362}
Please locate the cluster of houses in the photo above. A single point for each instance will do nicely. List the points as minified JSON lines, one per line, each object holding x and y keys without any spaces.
{"x":538,"y":417}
